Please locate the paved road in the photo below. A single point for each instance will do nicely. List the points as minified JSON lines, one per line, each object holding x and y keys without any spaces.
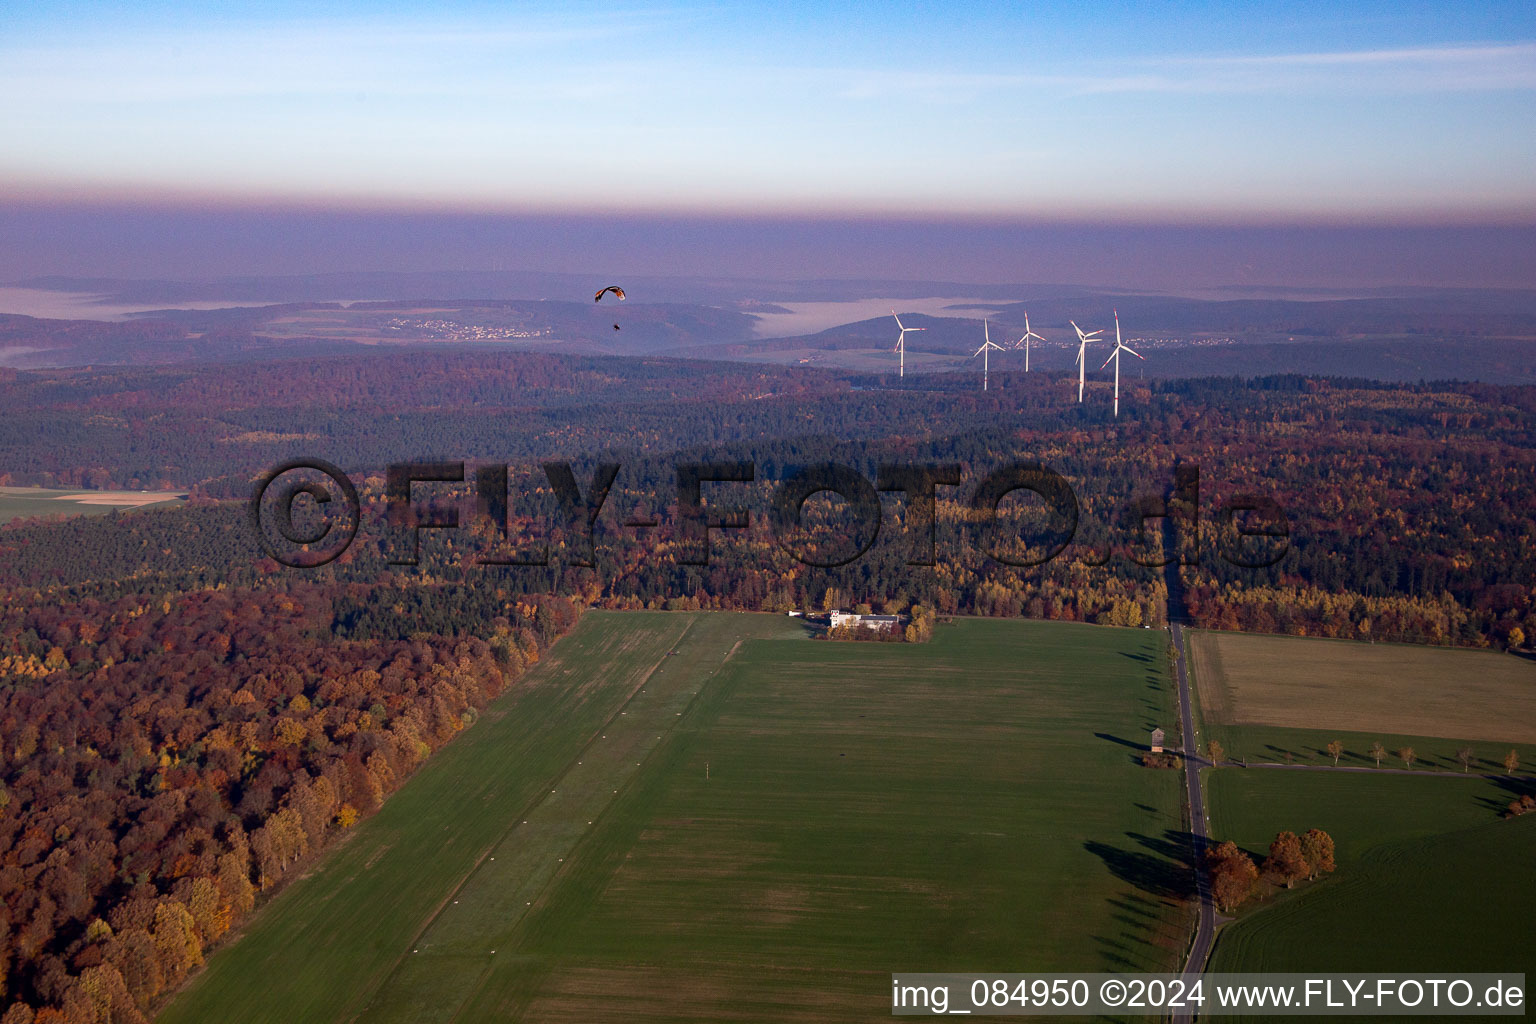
{"x":1199,"y":825}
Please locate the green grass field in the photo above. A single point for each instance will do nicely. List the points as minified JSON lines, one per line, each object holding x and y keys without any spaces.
{"x":25,"y":502}
{"x":1429,"y":877}
{"x":761,"y":827}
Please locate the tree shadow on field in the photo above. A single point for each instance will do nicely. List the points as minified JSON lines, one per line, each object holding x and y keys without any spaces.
{"x":1135,"y":917}
{"x":1139,"y":748}
{"x":1145,"y":659}
{"x":1152,"y":873}
{"x":1174,"y":844}
{"x":1513,"y":788}
{"x":1114,"y":952}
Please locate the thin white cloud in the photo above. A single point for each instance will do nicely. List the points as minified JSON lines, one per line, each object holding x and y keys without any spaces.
{"x":1422,"y":69}
{"x":1510,"y":67}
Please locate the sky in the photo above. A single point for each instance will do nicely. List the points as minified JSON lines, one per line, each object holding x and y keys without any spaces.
{"x":964,"y":119}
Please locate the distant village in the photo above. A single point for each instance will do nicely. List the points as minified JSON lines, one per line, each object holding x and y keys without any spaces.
{"x":452,"y":330}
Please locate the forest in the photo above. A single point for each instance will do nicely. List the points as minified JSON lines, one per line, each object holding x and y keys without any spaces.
{"x":1406,"y":504}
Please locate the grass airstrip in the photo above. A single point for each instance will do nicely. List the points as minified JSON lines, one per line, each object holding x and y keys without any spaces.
{"x":759,"y":826}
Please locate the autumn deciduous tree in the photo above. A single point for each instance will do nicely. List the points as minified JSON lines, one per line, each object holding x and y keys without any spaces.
{"x":106,"y":992}
{"x":1378,"y":752}
{"x":1214,"y":752}
{"x":176,"y":941}
{"x":1232,"y":873}
{"x":1317,"y":851}
{"x":1285,"y":862}
{"x":19,"y":1013}
{"x":1464,"y":755}
{"x":1335,"y":751}
{"x":1511,"y":762}
{"x":1407,"y":756}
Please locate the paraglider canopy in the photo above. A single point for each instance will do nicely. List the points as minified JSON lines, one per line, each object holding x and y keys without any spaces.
{"x":611,"y":288}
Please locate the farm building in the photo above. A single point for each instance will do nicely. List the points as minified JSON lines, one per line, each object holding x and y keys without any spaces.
{"x":886,"y":622}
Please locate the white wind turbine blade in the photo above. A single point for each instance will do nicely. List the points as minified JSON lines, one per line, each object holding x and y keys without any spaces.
{"x":1112,"y":357}
{"x":898,"y":320}
{"x":1133,"y":352}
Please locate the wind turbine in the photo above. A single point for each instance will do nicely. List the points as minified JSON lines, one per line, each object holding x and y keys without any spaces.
{"x":1083,"y":341}
{"x":1025,"y":341}
{"x":1114,"y":357}
{"x":901,"y":342}
{"x":986,"y":353}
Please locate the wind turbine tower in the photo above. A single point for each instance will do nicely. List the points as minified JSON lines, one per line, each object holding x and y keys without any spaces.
{"x":1025,"y":341}
{"x":1083,"y":341}
{"x":901,"y":342}
{"x":985,"y":352}
{"x":1114,"y":357}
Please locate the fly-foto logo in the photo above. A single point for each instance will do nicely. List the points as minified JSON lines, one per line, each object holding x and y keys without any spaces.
{"x":1253,"y":530}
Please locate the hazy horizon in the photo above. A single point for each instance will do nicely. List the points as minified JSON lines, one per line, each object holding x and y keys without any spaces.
{"x":179,"y":241}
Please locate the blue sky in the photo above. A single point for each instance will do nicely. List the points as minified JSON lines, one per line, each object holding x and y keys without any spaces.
{"x":1184,"y":112}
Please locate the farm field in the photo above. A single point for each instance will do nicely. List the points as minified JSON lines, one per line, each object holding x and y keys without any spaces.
{"x":23,"y":502}
{"x":1274,"y":688}
{"x":760,"y":827}
{"x":1429,"y":879}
